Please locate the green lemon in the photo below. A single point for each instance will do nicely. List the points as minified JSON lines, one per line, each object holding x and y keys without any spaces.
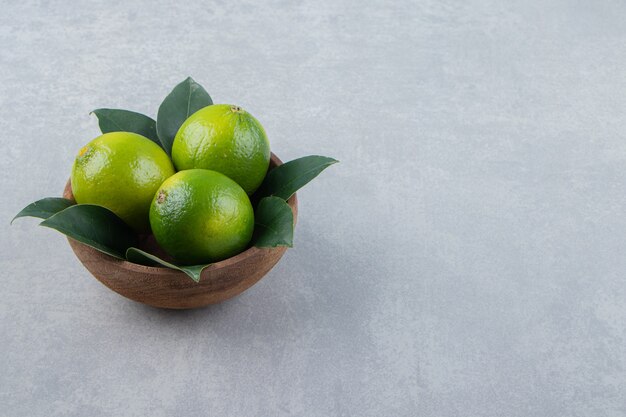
{"x":226,"y":139}
{"x":200,"y":216}
{"x":121,"y":171}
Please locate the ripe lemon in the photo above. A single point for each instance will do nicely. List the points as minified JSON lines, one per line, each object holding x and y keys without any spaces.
{"x":121,"y":171}
{"x":226,"y":139}
{"x":200,"y":216}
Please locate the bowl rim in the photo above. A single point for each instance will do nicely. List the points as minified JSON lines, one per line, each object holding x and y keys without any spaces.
{"x":161,"y":270}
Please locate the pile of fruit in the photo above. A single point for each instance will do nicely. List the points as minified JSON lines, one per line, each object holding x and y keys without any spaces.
{"x":198,"y":179}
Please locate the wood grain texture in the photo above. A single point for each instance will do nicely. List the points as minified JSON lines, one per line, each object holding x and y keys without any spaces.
{"x":167,"y":288}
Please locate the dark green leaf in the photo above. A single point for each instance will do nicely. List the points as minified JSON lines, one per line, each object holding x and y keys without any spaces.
{"x":283,"y":181}
{"x":44,"y":208}
{"x":94,"y":226}
{"x":273,"y":225}
{"x":144,"y":258}
{"x":184,"y":100}
{"x":116,"y":120}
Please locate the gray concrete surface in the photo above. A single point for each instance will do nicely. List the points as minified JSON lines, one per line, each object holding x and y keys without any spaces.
{"x":466,"y":258}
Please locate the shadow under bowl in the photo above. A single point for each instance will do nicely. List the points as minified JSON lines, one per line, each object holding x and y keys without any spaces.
{"x":168,"y":288}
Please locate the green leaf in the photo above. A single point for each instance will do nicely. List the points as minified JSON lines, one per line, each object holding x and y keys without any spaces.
{"x":116,"y":120}
{"x":94,"y":226}
{"x":144,"y":258}
{"x":44,"y":208}
{"x":284,"y":180}
{"x":273,"y":225}
{"x":184,"y":100}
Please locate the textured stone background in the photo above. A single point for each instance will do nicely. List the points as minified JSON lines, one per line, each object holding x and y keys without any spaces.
{"x":466,"y":258}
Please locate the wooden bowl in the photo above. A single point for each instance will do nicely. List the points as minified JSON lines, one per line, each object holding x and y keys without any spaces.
{"x":168,"y":288}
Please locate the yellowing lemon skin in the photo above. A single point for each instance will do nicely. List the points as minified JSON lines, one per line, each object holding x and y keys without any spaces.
{"x":226,"y":139}
{"x":121,"y":171}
